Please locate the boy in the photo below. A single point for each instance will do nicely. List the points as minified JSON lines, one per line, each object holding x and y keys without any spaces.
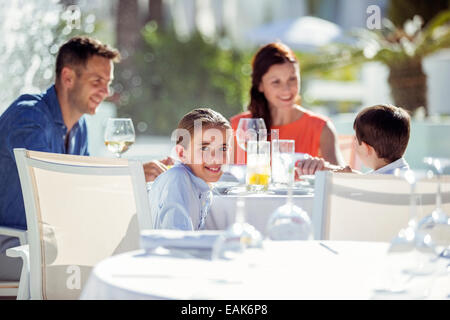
{"x":381,"y":137}
{"x":180,"y":197}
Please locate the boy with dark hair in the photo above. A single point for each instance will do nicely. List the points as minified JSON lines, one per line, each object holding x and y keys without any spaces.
{"x":381,"y":137}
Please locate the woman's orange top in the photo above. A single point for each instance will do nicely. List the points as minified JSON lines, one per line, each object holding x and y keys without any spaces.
{"x":306,"y":132}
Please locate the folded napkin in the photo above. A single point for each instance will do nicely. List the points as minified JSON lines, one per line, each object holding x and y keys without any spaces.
{"x":151,"y":239}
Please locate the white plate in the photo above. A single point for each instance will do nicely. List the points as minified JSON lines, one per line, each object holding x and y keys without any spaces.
{"x":301,"y":190}
{"x":222,"y":187}
{"x":308,"y":178}
{"x":241,"y":190}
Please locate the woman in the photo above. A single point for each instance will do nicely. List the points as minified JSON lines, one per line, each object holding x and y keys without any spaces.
{"x":275,"y":98}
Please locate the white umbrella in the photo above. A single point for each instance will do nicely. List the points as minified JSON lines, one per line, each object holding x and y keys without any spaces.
{"x":304,"y":33}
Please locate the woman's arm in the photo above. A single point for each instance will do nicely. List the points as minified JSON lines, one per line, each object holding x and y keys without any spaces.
{"x":329,"y":147}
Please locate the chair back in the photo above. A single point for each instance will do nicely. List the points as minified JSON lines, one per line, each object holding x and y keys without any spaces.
{"x":371,"y":207}
{"x":79,"y":210}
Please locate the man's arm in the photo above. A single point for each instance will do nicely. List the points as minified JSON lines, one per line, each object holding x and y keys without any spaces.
{"x":28,"y":132}
{"x":154,"y":168}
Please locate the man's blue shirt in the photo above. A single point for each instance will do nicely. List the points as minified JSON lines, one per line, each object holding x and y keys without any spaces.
{"x":33,"y":122}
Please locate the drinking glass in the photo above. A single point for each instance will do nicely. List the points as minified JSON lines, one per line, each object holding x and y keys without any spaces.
{"x":119,"y":135}
{"x":282,"y":152}
{"x":411,"y":241}
{"x":258,"y":166}
{"x":250,"y":129}
{"x":411,"y":253}
{"x":239,"y":236}
{"x":289,"y":222}
{"x":437,"y":223}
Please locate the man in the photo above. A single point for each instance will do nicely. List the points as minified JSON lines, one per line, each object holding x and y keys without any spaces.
{"x":52,"y":122}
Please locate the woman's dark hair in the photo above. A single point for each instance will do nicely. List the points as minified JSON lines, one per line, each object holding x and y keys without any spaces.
{"x":267,"y":56}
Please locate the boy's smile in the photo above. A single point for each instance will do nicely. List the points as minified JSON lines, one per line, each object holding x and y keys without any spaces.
{"x":213,"y":168}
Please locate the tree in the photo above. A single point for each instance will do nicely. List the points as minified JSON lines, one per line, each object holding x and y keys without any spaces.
{"x":399,"y":11}
{"x":127,"y":28}
{"x":401,"y":49}
{"x":156,"y":13}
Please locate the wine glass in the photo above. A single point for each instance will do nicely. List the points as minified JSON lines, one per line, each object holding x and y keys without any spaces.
{"x":250,"y":129}
{"x":437,"y":223}
{"x":119,"y":135}
{"x":289,"y":222}
{"x":411,"y":240}
{"x":239,"y":236}
{"x":411,"y":253}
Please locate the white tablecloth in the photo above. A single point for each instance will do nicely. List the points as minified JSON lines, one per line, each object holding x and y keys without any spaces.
{"x":258,"y":208}
{"x":282,"y":270}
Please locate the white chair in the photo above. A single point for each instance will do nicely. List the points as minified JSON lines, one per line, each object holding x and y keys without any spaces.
{"x":79,"y":210}
{"x":12,"y":288}
{"x":370,"y":207}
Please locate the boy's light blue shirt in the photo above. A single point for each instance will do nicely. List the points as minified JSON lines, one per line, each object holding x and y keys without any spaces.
{"x":179,"y":199}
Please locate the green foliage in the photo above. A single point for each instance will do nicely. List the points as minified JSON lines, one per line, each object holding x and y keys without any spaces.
{"x":391,"y":45}
{"x":177,"y":76}
{"x":400,"y":11}
{"x":313,"y":66}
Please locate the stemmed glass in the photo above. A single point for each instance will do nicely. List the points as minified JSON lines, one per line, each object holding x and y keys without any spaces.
{"x":239,"y":236}
{"x":119,"y":135}
{"x":411,"y":240}
{"x":250,"y":129}
{"x":289,"y":222}
{"x":411,"y":252}
{"x":437,"y":223}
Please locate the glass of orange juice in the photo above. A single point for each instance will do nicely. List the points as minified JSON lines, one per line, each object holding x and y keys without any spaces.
{"x":258,"y":166}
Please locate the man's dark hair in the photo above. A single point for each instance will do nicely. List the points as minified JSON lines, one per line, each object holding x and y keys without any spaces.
{"x":77,"y":51}
{"x":385,"y":128}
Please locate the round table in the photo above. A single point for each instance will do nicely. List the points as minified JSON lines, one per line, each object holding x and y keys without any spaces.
{"x":284,"y":270}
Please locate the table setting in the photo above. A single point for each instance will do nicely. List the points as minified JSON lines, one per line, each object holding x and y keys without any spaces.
{"x":258,"y":244}
{"x":264,"y":184}
{"x":273,"y":270}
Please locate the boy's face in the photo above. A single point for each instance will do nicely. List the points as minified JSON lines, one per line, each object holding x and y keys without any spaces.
{"x":207,"y":152}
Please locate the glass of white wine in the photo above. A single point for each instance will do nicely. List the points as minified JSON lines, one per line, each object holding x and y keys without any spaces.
{"x":119,"y":135}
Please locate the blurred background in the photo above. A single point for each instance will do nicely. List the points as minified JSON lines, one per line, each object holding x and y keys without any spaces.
{"x":182,"y":54}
